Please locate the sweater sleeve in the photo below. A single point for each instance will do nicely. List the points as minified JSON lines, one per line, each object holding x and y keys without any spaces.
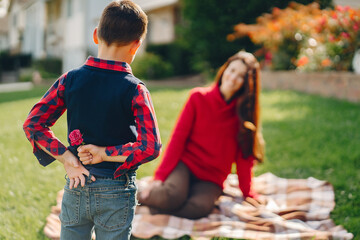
{"x":178,"y":139}
{"x":42,"y":116}
{"x":244,"y":172}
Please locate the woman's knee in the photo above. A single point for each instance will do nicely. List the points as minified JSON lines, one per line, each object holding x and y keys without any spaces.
{"x":199,"y":208}
{"x":163,"y":198}
{"x":173,"y":199}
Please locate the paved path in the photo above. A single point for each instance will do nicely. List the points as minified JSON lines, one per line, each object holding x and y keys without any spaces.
{"x":14,"y":87}
{"x":184,"y":81}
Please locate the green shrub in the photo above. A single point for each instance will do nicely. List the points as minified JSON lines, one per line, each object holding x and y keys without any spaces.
{"x":48,"y":67}
{"x":25,"y":60}
{"x":12,"y":62}
{"x":25,"y":78}
{"x":176,"y":54}
{"x":151,"y":66}
{"x":282,"y":60}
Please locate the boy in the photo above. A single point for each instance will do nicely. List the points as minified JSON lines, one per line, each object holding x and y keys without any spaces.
{"x":111,"y":110}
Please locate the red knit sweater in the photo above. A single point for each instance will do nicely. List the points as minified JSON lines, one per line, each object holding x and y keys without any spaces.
{"x":205,"y":140}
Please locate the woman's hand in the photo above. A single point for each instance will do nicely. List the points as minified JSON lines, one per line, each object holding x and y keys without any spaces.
{"x":144,"y":194}
{"x":255,"y":199}
{"x":91,"y":154}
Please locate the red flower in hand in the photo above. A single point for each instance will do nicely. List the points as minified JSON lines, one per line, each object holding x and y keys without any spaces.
{"x":76,"y":137}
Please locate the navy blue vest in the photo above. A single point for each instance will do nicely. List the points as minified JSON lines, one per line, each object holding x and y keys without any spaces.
{"x":99,"y":104}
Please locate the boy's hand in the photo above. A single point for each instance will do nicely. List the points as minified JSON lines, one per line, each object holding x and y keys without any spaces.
{"x":69,"y":158}
{"x":75,"y":174}
{"x":91,"y":154}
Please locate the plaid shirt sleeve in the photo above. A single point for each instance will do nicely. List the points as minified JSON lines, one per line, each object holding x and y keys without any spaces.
{"x":148,"y":144}
{"x":43,"y":116}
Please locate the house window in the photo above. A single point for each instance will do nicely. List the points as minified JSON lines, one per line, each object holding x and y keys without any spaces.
{"x":15,"y":20}
{"x":69,"y":8}
{"x":150,"y":31}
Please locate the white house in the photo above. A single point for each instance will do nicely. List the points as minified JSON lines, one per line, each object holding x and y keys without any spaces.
{"x":63,"y":28}
{"x":163,"y":15}
{"x":80,"y":19}
{"x":33,"y":40}
{"x":16,"y":25}
{"x":54,"y":28}
{"x":4,"y":41}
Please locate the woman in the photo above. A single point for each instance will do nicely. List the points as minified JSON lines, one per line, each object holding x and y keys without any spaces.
{"x":218,"y":126}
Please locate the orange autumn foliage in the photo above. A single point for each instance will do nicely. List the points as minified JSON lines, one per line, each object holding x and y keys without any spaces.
{"x":328,"y":38}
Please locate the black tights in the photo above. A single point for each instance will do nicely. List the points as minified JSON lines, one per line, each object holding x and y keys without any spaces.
{"x":183,"y":195}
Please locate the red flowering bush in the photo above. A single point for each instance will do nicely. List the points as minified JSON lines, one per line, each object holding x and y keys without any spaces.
{"x":306,"y":37}
{"x":76,"y":138}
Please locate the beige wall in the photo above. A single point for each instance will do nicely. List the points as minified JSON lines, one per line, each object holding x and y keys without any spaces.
{"x":351,"y":3}
{"x":161,"y":25}
{"x":341,"y":85}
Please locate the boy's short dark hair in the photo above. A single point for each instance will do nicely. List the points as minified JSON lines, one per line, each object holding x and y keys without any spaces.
{"x":122,"y":22}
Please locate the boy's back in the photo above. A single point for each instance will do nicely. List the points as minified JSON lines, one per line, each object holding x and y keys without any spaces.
{"x":99,"y":104}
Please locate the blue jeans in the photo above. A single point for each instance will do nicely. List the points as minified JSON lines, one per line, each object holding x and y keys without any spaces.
{"x":106,"y":206}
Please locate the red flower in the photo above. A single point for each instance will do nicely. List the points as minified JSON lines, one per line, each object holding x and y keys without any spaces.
{"x":332,"y":38}
{"x":345,"y":35}
{"x":76,"y":137}
{"x":334,"y":15}
{"x":302,"y":61}
{"x":340,"y":8}
{"x":268,"y":56}
{"x":355,"y":27}
{"x":326,"y":62}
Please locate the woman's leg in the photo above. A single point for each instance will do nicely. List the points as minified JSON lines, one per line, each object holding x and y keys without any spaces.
{"x":172,"y":193}
{"x":201,"y":201}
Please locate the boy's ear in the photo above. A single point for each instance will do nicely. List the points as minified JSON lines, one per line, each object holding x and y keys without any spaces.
{"x":95,"y":36}
{"x":135,"y":46}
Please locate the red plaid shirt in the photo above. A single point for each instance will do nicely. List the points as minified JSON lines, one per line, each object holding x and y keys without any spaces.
{"x":51,"y":106}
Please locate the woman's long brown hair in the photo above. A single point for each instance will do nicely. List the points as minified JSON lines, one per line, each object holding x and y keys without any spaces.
{"x":250,"y":136}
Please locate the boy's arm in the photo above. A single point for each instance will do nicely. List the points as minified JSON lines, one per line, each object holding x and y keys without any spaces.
{"x":41,"y":117}
{"x":147,"y":145}
{"x":92,"y":154}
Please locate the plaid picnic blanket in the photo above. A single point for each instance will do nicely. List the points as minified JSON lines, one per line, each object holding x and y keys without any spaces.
{"x":288,"y":209}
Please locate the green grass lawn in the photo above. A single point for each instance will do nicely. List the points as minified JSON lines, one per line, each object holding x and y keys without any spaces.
{"x":306,"y":136}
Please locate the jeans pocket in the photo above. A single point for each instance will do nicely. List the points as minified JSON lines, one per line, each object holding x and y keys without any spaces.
{"x":115,"y":210}
{"x":70,"y":207}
